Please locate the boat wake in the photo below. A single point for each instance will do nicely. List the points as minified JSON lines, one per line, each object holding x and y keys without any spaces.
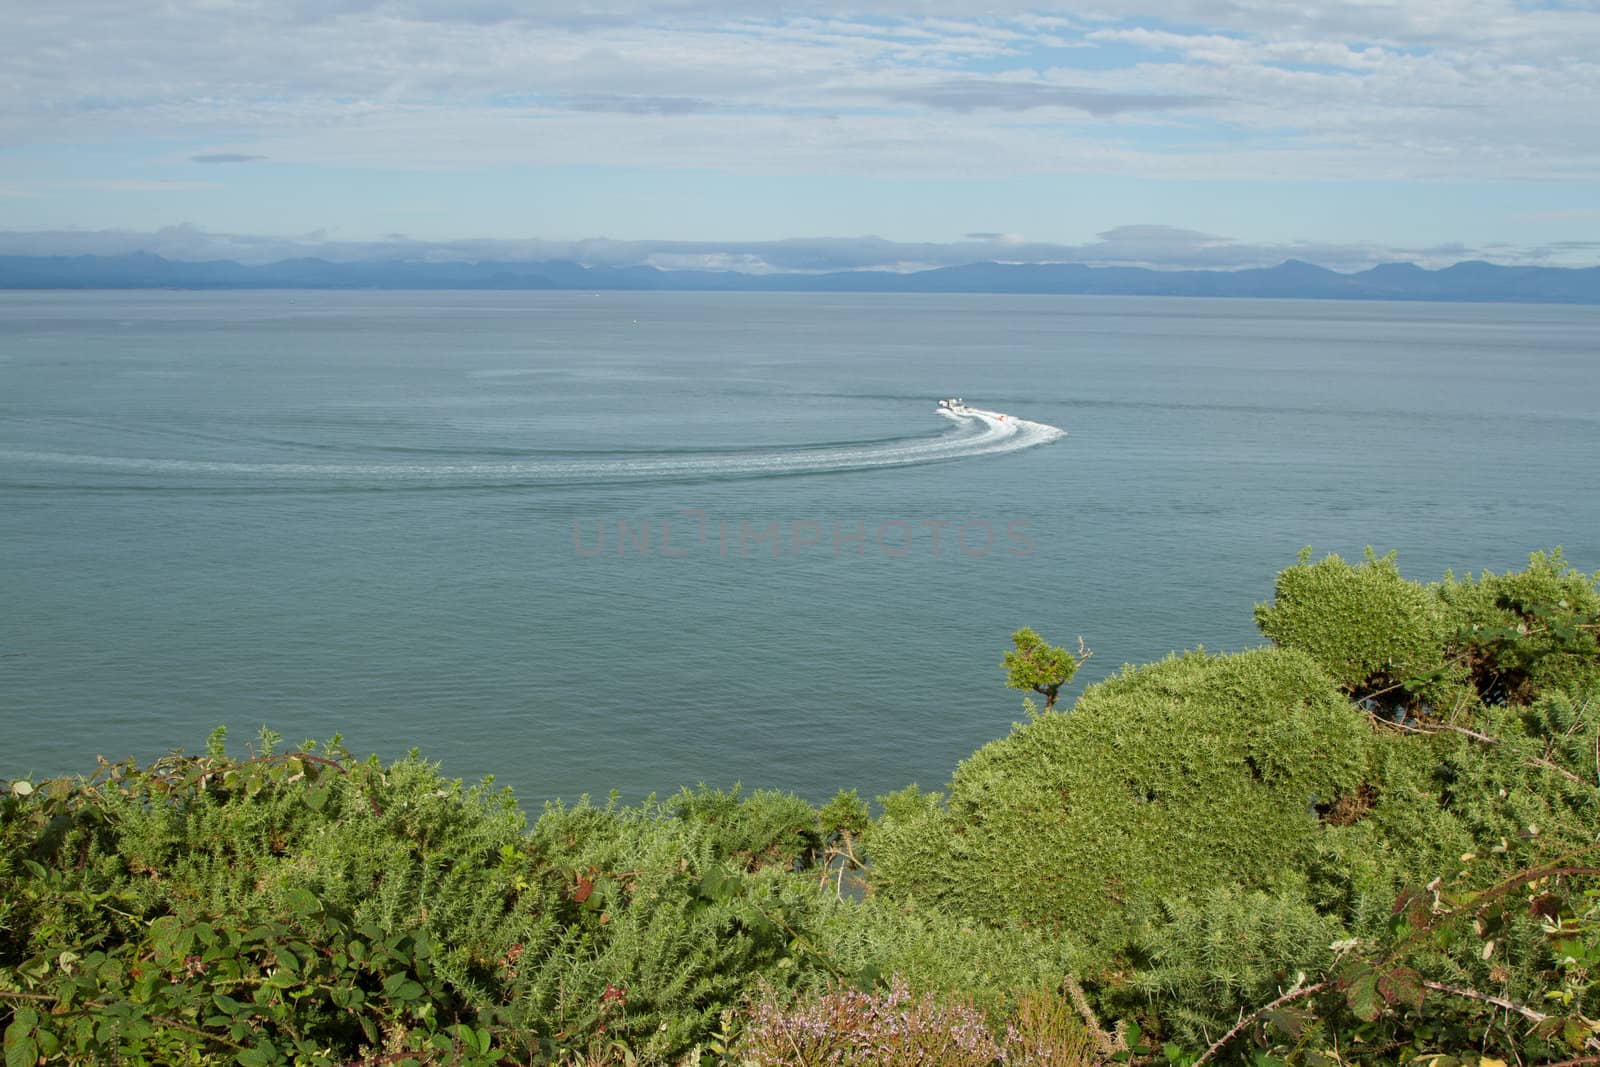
{"x":976,"y":432}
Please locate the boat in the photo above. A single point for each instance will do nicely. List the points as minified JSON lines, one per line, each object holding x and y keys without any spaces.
{"x":954,"y":406}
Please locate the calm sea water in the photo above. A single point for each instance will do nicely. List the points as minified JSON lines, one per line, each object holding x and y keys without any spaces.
{"x":419,"y":519}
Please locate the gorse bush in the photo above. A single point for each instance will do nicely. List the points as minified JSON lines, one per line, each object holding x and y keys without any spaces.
{"x":987,"y":964}
{"x":1208,"y":960}
{"x":1365,"y":625}
{"x":768,"y":829}
{"x":664,"y":906}
{"x":1164,"y":781}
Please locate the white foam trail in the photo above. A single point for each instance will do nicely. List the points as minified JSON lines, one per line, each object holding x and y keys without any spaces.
{"x":977,"y":433}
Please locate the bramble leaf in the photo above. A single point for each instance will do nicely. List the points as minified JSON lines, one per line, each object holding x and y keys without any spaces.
{"x":19,"y":1045}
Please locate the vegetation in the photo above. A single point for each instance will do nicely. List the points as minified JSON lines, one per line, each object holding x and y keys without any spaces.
{"x":1373,"y":840}
{"x":1040,"y":667}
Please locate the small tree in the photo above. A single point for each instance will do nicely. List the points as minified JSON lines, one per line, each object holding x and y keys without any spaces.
{"x":1040,"y":667}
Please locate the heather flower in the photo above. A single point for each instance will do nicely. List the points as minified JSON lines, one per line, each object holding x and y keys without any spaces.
{"x":850,"y":1028}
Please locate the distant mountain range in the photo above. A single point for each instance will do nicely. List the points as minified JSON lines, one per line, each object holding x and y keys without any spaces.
{"x":1470,"y":281}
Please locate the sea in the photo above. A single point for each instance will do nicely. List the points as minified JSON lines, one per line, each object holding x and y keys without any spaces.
{"x":596,"y":543}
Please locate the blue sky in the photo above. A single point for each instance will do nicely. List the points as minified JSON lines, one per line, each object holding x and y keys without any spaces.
{"x":1167,"y":133}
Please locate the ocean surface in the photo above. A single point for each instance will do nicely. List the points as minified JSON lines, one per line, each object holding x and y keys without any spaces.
{"x":633,"y":541}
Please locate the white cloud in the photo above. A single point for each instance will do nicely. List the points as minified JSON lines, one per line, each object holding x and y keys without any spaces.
{"x":135,"y":185}
{"x":1447,"y":90}
{"x":1144,"y":245}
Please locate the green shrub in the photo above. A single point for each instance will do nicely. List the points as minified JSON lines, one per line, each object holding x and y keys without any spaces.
{"x":1170,"y":780}
{"x":1529,"y":631}
{"x":766,"y":829}
{"x":1368,"y":627}
{"x":1506,"y":786}
{"x":169,"y":918}
{"x":988,"y":965}
{"x":659,"y":906}
{"x":641,"y":924}
{"x":1209,"y":959}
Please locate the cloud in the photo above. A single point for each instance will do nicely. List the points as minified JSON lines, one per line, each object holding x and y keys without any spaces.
{"x":1142,"y":245}
{"x":140,"y":185}
{"x":1152,"y":235}
{"x":1478,"y":90}
{"x":989,"y":95}
{"x":637,"y":105}
{"x":225,"y":157}
{"x":1586,"y":214}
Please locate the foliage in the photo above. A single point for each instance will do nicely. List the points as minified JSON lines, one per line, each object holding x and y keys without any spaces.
{"x":1495,"y":639}
{"x":845,"y":823}
{"x":1196,"y":772}
{"x":770,"y":828}
{"x":1368,"y":627}
{"x":1388,"y":996}
{"x":1507,"y":784}
{"x":987,"y":964}
{"x":173,"y":950}
{"x":665,"y":907}
{"x":1216,"y":832}
{"x":1528,"y":632}
{"x":1210,"y":959}
{"x":313,"y":907}
{"x":1037,"y":666}
{"x":1045,"y":1032}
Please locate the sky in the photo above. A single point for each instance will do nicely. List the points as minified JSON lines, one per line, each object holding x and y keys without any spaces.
{"x":697,"y":133}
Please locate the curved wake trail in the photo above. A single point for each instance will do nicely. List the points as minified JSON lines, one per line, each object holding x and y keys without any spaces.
{"x":976,"y":433}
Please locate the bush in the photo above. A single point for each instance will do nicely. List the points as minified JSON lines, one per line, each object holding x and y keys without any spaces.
{"x":1167,"y":781}
{"x":206,"y":910}
{"x":660,"y":907}
{"x":311,"y":906}
{"x":1527,"y":632}
{"x":1368,"y":627}
{"x":988,"y":965}
{"x":1209,"y":960}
